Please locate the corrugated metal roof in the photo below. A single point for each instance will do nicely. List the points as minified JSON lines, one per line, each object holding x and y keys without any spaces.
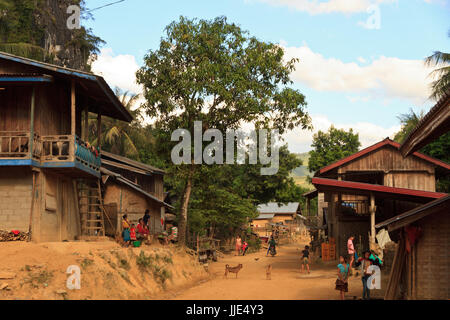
{"x":375,"y":188}
{"x":133,"y":185}
{"x":374,"y":147}
{"x":265,"y":216}
{"x":273,"y":207}
{"x":132,"y":163}
{"x":94,"y":86}
{"x":415,"y":211}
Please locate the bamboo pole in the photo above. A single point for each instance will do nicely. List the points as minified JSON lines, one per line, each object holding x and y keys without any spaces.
{"x":72,"y":120}
{"x":72,"y":108}
{"x":372,"y":218}
{"x":86,"y":124}
{"x":33,"y":101}
{"x":99,"y":130}
{"x":32,"y":206}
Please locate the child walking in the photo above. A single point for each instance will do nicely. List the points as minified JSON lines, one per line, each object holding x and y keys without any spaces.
{"x":305,"y":259}
{"x":342,"y":280}
{"x":244,"y":247}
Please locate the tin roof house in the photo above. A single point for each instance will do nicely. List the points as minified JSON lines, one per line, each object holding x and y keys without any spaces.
{"x":49,"y":174}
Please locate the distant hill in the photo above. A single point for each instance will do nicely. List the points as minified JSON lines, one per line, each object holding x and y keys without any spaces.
{"x":300,"y":174}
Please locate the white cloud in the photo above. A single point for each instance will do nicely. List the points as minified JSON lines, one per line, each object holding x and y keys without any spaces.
{"x":118,"y":71}
{"x":300,"y":140}
{"x":320,"y":7}
{"x":384,"y":77}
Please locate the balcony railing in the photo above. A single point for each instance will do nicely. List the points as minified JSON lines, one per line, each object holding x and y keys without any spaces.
{"x":87,"y":155}
{"x":354,"y":207}
{"x":54,"y":150}
{"x":68,"y":148}
{"x":16,"y":144}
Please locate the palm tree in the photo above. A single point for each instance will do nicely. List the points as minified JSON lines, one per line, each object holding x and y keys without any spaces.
{"x":116,"y":134}
{"x":408,"y":121}
{"x":441,"y":85}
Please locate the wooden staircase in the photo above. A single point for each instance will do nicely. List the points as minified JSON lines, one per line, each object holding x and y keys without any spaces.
{"x":90,"y":206}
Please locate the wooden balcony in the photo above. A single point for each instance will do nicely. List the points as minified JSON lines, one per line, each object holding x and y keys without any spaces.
{"x":354,"y":207}
{"x":62,"y":151}
{"x":56,"y":151}
{"x":15,"y":147}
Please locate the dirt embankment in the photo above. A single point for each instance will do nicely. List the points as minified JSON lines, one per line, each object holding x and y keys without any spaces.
{"x":108,"y":271}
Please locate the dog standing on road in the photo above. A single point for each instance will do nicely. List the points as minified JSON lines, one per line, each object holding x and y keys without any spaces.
{"x":269,"y":272}
{"x":232,"y":269}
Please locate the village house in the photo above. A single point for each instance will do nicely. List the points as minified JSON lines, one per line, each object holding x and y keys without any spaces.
{"x":131,"y":187}
{"x":49,"y":174}
{"x":272,"y":214}
{"x":371,"y":186}
{"x":421,"y":263}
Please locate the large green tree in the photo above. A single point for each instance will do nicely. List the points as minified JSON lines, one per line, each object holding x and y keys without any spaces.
{"x":213,"y":71}
{"x":331,"y":146}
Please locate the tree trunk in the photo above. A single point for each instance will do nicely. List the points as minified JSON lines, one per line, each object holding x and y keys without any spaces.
{"x":182,"y":226}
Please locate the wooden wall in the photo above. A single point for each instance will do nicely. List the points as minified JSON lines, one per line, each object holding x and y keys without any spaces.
{"x":59,"y":219}
{"x":410,"y":172}
{"x":132,"y":203}
{"x":282,"y":218}
{"x":52,"y":108}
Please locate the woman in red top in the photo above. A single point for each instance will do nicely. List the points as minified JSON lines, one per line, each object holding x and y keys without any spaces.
{"x":142,"y":230}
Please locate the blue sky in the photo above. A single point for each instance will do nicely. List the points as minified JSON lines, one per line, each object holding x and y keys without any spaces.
{"x":351,"y":75}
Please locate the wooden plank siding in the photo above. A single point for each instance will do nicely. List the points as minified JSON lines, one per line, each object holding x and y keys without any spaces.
{"x":132,"y":203}
{"x":411,"y":173}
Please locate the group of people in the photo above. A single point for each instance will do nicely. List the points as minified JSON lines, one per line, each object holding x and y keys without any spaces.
{"x":131,"y":232}
{"x":141,"y":232}
{"x":241,"y":246}
{"x":345,"y":269}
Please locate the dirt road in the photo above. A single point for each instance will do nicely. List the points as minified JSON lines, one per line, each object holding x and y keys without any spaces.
{"x":287,"y":282}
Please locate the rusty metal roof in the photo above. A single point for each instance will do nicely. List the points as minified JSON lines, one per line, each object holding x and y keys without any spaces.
{"x":102,"y":98}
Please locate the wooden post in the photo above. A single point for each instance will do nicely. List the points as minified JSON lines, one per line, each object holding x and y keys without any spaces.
{"x":372,"y":218}
{"x":31,"y":142}
{"x":73,"y":120}
{"x":86,"y":124}
{"x":99,"y":130}
{"x":72,"y":108}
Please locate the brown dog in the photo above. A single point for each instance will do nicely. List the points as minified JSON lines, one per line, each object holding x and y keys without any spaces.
{"x":269,"y":272}
{"x":232,"y":269}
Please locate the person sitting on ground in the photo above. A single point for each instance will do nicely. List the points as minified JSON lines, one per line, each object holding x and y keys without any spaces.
{"x":305,"y":259}
{"x":244,"y":247}
{"x":126,"y":229}
{"x":142,"y":230}
{"x":272,"y":243}
{"x":342,"y":280}
{"x":173,"y":237}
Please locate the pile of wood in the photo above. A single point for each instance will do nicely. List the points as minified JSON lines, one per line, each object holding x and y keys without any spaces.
{"x":10,"y":236}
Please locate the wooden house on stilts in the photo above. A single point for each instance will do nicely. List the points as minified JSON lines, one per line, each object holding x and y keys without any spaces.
{"x":371,"y":186}
{"x":49,"y":174}
{"x":421,"y":264}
